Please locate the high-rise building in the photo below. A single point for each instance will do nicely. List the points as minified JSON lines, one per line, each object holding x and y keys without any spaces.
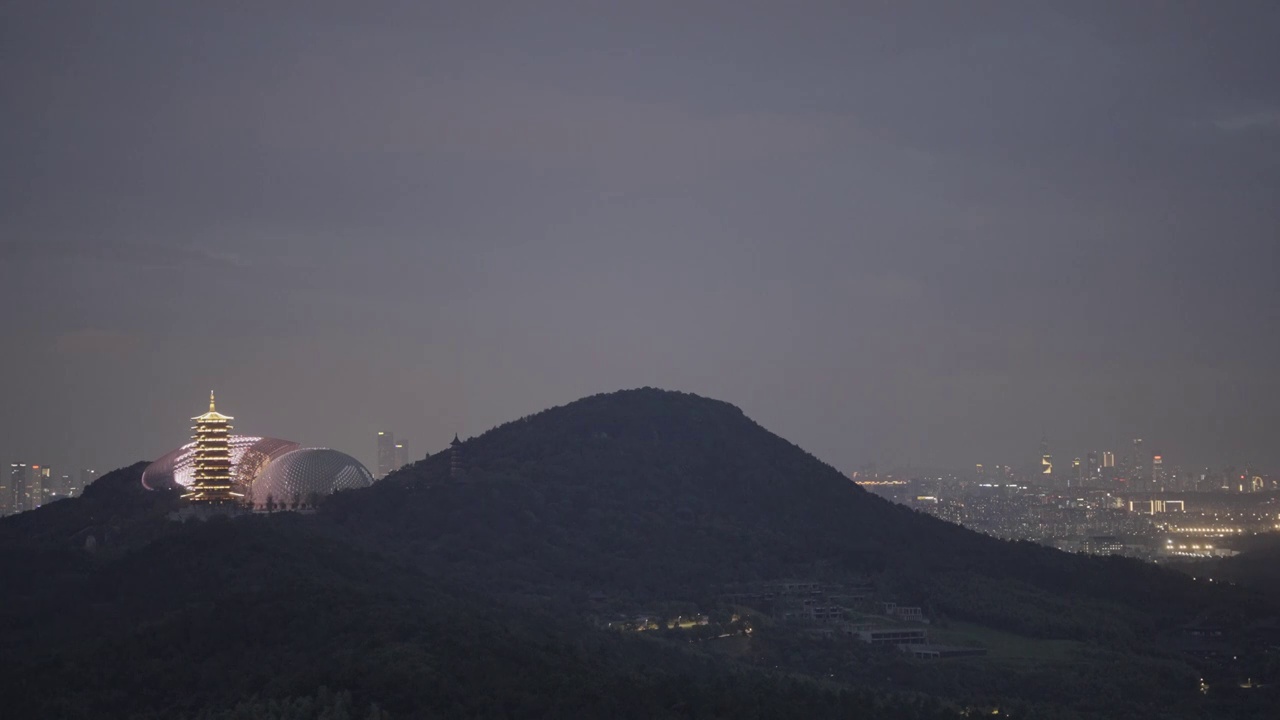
{"x":6,"y":493}
{"x":1077,"y":470}
{"x":41,"y":486}
{"x":213,"y":483}
{"x":1091,"y":464}
{"x":87,"y":476}
{"x":1046,"y":460}
{"x":1108,"y":459}
{"x":1159,"y":478}
{"x":17,"y":489}
{"x":1138,"y":465}
{"x":402,"y":454}
{"x":386,"y":454}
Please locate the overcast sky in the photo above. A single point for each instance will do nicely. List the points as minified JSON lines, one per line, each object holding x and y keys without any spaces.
{"x":891,"y":232}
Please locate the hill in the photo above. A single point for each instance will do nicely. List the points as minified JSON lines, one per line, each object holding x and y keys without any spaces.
{"x":641,"y":503}
{"x":652,"y":492}
{"x":648,"y":496}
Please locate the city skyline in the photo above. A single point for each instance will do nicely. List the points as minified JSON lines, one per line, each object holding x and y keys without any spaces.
{"x":904,"y":234}
{"x":1134,"y":455}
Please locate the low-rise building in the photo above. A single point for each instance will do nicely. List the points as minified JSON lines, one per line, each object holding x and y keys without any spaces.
{"x":894,"y":636}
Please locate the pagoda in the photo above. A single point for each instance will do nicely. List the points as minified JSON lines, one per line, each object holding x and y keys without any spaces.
{"x":213,"y":483}
{"x":455,"y":459}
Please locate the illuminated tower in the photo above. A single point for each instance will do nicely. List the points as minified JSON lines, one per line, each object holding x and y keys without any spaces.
{"x":1046,"y":460}
{"x":213,"y":483}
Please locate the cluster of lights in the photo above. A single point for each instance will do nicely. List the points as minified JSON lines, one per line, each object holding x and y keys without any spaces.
{"x":1170,"y":545}
{"x":213,"y":481}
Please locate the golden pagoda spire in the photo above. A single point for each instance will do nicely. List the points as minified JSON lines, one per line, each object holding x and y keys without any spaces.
{"x":211,"y":406}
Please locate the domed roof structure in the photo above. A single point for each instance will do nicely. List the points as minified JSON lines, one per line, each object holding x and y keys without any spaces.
{"x":303,"y":476}
{"x":249,"y":454}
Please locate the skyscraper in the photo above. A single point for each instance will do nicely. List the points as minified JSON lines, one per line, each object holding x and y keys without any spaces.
{"x":7,"y":506}
{"x":1091,"y":464}
{"x":17,"y":488}
{"x":1138,"y":465}
{"x":213,"y":483}
{"x":386,"y":454}
{"x":402,"y":454}
{"x":40,"y":486}
{"x":1108,"y":459}
{"x":1159,"y":480}
{"x":1046,"y":460}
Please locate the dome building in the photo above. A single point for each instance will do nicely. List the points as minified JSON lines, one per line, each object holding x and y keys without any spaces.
{"x":249,"y":454}
{"x":298,"y":479}
{"x":220,"y":472}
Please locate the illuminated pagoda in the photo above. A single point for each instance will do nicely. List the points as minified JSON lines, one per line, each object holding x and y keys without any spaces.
{"x":213,"y":483}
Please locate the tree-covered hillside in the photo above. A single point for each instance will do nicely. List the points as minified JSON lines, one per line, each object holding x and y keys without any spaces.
{"x":265,"y":618}
{"x":483,"y":594}
{"x":654,"y":492}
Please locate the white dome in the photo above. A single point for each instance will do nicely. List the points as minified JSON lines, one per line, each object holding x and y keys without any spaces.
{"x":303,"y":476}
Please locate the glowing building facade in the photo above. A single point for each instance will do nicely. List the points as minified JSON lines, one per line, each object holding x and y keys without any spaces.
{"x":263,"y":473}
{"x":249,"y":454}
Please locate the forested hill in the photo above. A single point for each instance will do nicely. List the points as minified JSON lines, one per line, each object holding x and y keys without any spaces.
{"x":652,"y":492}
{"x":264,"y":618}
{"x":482,"y":593}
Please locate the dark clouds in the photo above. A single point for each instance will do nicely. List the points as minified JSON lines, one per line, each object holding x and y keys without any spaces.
{"x":897,"y":232}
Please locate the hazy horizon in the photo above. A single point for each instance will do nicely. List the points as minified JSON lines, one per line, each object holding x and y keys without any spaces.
{"x":903,"y":234}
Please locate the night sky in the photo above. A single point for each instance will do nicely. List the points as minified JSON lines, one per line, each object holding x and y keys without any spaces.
{"x":889,"y":232}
